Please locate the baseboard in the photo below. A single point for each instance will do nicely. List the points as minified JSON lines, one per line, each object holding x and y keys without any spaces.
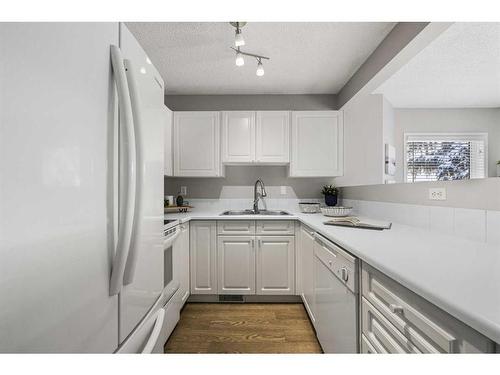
{"x":214,"y":298}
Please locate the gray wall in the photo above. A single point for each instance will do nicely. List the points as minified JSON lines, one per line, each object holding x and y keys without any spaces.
{"x":451,"y":120}
{"x":394,"y":42}
{"x":239,"y":182}
{"x":481,"y":194}
{"x":250,"y":102}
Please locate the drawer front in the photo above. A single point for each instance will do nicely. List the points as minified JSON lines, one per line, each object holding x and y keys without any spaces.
{"x":366,"y":346}
{"x":402,"y":311}
{"x":384,"y":337}
{"x":276,"y":227}
{"x":235,"y":227}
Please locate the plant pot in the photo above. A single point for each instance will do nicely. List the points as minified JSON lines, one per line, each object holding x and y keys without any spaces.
{"x":330,"y":200}
{"x":498,"y":170}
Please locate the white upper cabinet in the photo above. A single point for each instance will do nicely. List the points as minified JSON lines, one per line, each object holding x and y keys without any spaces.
{"x":168,"y":169}
{"x":261,"y":137}
{"x":197,"y":144}
{"x":238,"y":137}
{"x":273,"y":137}
{"x":317,"y":144}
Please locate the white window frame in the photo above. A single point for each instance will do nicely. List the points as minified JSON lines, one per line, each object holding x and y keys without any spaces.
{"x":429,"y":136}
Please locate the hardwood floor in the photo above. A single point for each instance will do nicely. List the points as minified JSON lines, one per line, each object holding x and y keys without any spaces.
{"x":243,"y":328}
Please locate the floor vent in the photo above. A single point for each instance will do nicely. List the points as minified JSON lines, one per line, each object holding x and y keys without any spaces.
{"x":236,"y":298}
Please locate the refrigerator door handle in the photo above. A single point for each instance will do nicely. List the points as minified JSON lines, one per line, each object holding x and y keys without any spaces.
{"x":128,"y":276}
{"x":126,"y":218}
{"x":155,"y":333}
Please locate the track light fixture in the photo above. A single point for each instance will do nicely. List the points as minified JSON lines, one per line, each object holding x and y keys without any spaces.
{"x":238,"y":42}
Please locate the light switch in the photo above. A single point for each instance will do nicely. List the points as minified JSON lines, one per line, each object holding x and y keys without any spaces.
{"x":184,"y":190}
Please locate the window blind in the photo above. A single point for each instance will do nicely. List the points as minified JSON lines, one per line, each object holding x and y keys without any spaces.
{"x":442,"y":157}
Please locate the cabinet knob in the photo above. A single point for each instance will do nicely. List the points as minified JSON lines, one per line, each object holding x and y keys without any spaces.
{"x":396,"y":309}
{"x":344,"y":274}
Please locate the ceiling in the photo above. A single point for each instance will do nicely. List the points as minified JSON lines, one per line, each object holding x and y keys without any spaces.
{"x":306,"y":58}
{"x":459,"y":69}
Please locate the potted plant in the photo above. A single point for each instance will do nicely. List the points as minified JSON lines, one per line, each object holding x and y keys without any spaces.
{"x":330,"y":192}
{"x":498,"y":168}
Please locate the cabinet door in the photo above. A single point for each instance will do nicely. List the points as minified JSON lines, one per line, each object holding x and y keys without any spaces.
{"x":317,"y":144}
{"x":306,"y":246}
{"x":203,"y":257}
{"x":238,"y":137}
{"x":236,"y":264}
{"x":275,"y":265}
{"x":168,"y":169}
{"x":273,"y":137}
{"x":184,"y":263}
{"x":197,"y":144}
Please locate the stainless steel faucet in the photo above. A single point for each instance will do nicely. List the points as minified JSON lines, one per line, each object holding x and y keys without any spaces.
{"x":257,"y":196}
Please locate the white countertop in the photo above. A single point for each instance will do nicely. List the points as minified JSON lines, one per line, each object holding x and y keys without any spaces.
{"x":460,"y":276}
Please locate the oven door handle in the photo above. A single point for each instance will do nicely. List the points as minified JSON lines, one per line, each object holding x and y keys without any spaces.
{"x":170,"y":241}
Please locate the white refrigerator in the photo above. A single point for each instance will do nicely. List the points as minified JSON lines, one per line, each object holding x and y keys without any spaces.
{"x":81,"y":188}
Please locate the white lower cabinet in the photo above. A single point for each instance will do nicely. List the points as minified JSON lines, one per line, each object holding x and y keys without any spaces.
{"x":275,"y":265}
{"x":203,"y":257}
{"x":183,"y":248}
{"x":366,"y":346}
{"x":306,"y":269}
{"x":236,"y":264}
{"x":396,"y":320}
{"x":245,"y":263}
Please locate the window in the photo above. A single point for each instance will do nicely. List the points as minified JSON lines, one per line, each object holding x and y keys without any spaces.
{"x":445,"y":156}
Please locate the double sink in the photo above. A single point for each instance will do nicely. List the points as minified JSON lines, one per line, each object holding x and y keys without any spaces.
{"x":252,"y":212}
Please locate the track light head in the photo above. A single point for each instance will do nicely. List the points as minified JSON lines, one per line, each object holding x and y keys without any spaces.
{"x":239,"y":59}
{"x":260,"y":69}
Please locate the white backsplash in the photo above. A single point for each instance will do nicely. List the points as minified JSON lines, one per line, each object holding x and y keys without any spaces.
{"x":478,"y":225}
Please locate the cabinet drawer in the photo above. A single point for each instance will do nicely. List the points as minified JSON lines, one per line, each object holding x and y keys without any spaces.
{"x":405,"y":312}
{"x":366,"y":346}
{"x":383,"y":336}
{"x":274,"y":227}
{"x":232,"y":227}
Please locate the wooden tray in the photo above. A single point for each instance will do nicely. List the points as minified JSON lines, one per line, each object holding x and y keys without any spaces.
{"x":173,"y":209}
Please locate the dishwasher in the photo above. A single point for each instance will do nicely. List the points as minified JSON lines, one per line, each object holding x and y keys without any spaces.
{"x":335,"y":297}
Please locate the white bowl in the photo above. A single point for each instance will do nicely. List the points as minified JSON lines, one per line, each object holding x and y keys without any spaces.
{"x":336,"y":211}
{"x":309,"y":207}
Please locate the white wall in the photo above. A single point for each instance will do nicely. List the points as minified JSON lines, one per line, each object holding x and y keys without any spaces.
{"x":448,"y":120}
{"x":363,"y":141}
{"x":481,"y":193}
{"x":389,"y":134}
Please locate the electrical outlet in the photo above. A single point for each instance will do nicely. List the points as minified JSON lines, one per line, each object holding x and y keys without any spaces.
{"x":184,"y":190}
{"x":283,"y":190}
{"x":437,"y":194}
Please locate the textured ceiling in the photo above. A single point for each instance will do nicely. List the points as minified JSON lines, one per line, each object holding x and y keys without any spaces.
{"x":306,"y":58}
{"x":460,"y":69}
